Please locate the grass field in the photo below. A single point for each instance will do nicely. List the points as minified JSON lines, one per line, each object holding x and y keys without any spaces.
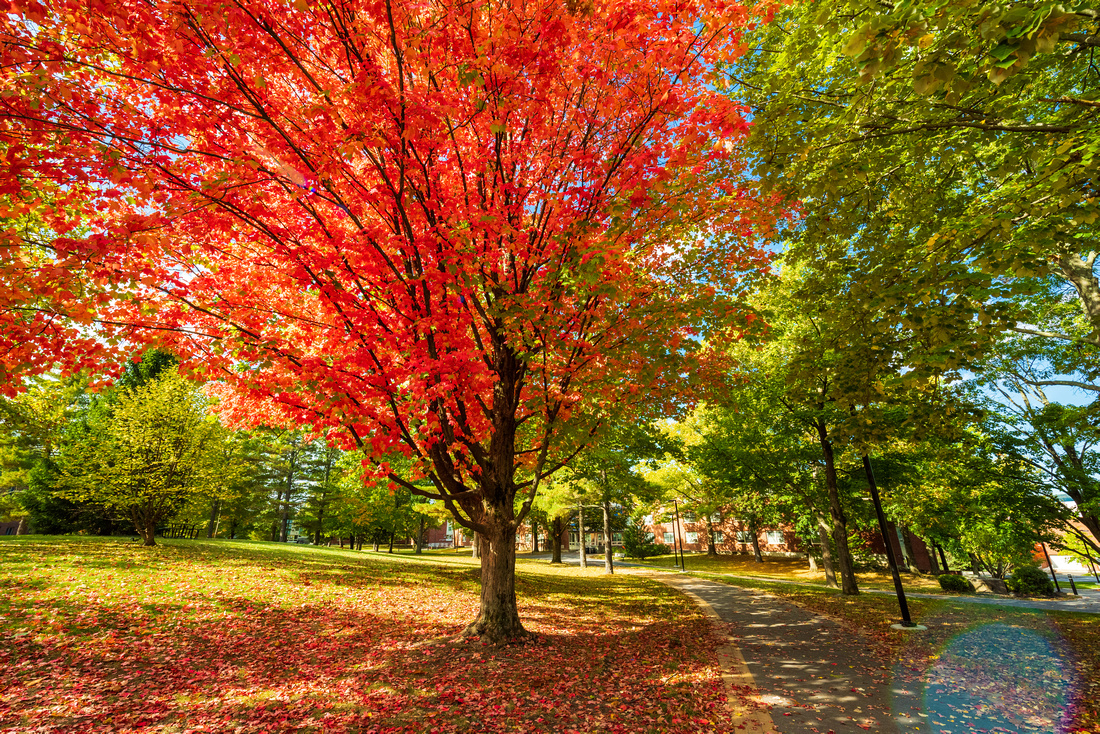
{"x":792,"y":569}
{"x":102,"y":635}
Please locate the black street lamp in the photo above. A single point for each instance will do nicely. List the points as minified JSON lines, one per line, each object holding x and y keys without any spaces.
{"x":906,"y":620}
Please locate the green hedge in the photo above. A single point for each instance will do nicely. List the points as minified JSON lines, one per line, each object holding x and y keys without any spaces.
{"x":1030,"y":581}
{"x":956,"y":583}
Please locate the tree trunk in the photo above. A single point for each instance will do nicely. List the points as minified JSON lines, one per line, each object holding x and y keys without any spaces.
{"x":1079,"y":272}
{"x":712,"y":550}
{"x":943,"y":558}
{"x":377,"y":539}
{"x":534,"y":537}
{"x":608,"y":563}
{"x":146,"y":527}
{"x":420,"y":535}
{"x":754,"y":530}
{"x":498,"y":619}
{"x":812,"y":561}
{"x":392,"y":533}
{"x":213,"y":518}
{"x":840,"y":522}
{"x":275,"y":522}
{"x":557,"y":528}
{"x":21,"y":528}
{"x":826,"y":550}
{"x":475,"y":549}
{"x":580,"y":535}
{"x":320,"y":521}
{"x":908,"y":552}
{"x":933,"y":562}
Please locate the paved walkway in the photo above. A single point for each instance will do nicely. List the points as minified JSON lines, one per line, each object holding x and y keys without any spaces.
{"x":1088,"y":602}
{"x":811,"y":675}
{"x":816,"y":675}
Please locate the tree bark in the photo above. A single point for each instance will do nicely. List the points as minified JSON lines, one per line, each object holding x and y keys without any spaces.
{"x":826,"y":550}
{"x":908,"y":551}
{"x":1078,"y":271}
{"x":420,"y":536}
{"x":557,"y":528}
{"x":811,"y":560}
{"x":580,"y":535}
{"x":712,"y":550}
{"x":933,"y":562}
{"x":392,"y":533}
{"x":534,"y":537}
{"x":475,"y":548}
{"x":608,"y":563}
{"x":498,"y":621}
{"x":320,"y":520}
{"x":840,"y":522}
{"x":213,"y":518}
{"x":754,"y":530}
{"x":146,"y":526}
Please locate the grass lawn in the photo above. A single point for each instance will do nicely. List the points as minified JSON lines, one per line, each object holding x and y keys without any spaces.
{"x":102,"y":635}
{"x":792,"y":569}
{"x":1075,"y":634}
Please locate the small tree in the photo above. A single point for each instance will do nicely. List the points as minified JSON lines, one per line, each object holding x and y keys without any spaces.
{"x":637,"y":542}
{"x":149,"y":457}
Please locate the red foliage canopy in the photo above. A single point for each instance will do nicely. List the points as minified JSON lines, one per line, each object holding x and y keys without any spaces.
{"x":464,"y":231}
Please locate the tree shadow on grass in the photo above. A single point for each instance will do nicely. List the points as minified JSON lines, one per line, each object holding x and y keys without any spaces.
{"x":231,"y":662}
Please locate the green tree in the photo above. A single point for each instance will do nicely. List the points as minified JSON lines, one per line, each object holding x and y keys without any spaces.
{"x":946,"y":151}
{"x":149,"y":457}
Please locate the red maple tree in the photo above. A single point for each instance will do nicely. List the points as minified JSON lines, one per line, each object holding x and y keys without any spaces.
{"x":466,"y":232}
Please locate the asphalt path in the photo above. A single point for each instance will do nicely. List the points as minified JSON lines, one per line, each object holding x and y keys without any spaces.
{"x":805,"y":673}
{"x":1088,"y":600}
{"x":816,"y":675}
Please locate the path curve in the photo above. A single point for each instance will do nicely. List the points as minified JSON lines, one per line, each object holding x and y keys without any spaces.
{"x":816,"y":675}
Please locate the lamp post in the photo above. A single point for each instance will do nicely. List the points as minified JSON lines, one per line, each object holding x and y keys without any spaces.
{"x":676,"y":536}
{"x":1050,"y":565}
{"x":906,"y":620}
{"x":580,"y":533}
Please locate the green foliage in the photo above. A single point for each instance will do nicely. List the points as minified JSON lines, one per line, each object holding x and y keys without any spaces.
{"x":638,"y":544}
{"x":955,"y":583}
{"x":148,"y":456}
{"x":1030,"y":581}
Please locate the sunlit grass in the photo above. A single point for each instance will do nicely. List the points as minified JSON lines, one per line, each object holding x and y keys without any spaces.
{"x":790,"y":569}
{"x":104,"y":635}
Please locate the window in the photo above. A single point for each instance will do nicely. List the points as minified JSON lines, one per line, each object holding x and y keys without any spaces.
{"x":718,"y":536}
{"x":617,"y":537}
{"x":689,"y":516}
{"x":650,"y":538}
{"x":744,"y":536}
{"x":647,"y":520}
{"x":668,"y":539}
{"x":775,"y":537}
{"x":573,"y":539}
{"x":716,"y":517}
{"x":692,"y":537}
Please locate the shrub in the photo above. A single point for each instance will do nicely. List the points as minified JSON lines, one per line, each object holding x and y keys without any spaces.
{"x":956,"y":583}
{"x":637,"y":543}
{"x":1030,"y":581}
